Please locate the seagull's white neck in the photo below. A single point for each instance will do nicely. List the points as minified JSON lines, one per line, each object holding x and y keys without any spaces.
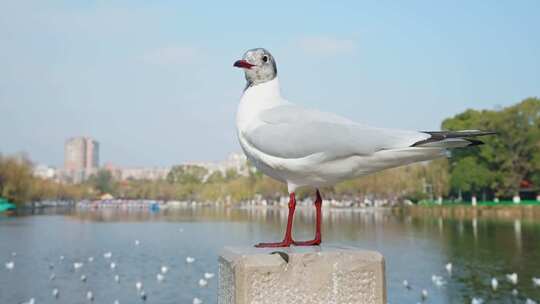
{"x":258,"y":98}
{"x":269,"y":89}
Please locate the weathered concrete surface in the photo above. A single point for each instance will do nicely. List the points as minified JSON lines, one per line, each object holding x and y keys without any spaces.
{"x":318,"y":275}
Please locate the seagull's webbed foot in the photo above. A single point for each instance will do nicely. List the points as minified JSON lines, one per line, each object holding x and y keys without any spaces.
{"x":284,"y":243}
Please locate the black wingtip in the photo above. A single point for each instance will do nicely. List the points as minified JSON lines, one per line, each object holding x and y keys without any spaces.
{"x":475,"y":142}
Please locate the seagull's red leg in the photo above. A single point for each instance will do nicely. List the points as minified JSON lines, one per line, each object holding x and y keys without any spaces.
{"x":287,"y":240}
{"x":317,"y":239}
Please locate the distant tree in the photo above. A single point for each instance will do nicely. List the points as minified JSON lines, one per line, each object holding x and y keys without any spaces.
{"x":103,"y":182}
{"x":508,"y":158}
{"x":187,"y":174}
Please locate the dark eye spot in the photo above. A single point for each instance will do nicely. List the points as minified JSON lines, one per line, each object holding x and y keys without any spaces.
{"x":265,"y":58}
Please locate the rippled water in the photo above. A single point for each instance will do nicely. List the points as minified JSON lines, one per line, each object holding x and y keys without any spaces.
{"x":414,"y":248}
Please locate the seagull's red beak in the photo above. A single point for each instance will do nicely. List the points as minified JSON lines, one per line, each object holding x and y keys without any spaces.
{"x":243,"y":64}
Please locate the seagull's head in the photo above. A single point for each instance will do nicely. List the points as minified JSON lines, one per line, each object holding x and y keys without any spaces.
{"x":258,"y":65}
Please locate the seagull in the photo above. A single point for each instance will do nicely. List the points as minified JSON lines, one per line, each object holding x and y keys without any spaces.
{"x":512,"y":278}
{"x":190,"y":260}
{"x":113,"y":265}
{"x":90,"y":259}
{"x":139,"y":285}
{"x":424,"y":294}
{"x":197,"y":301}
{"x":78,"y":265}
{"x":137,"y":242}
{"x":203,"y":282}
{"x":406,"y":284}
{"x":477,"y":301}
{"x":536,"y":282}
{"x":10,"y":265}
{"x":90,"y":296}
{"x":494,"y":284}
{"x":164,"y":269}
{"x":31,"y":301}
{"x":449,"y":268}
{"x":308,"y":148}
{"x":437,"y":280}
{"x":160,"y":277}
{"x":530,"y":301}
{"x":107,"y":255}
{"x":143,"y":295}
{"x":83,"y":278}
{"x":117,"y":278}
{"x":208,"y":275}
{"x":515,"y":292}
{"x":55,"y":293}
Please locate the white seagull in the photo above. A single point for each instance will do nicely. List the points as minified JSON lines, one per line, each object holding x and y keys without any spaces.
{"x":305,"y":147}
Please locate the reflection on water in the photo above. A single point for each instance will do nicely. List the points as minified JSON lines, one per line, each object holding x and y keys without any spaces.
{"x":415,"y":248}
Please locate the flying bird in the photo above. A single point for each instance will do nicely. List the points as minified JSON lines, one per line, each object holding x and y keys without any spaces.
{"x":306,"y":147}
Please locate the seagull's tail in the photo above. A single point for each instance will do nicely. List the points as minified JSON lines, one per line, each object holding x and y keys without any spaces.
{"x":452,"y":139}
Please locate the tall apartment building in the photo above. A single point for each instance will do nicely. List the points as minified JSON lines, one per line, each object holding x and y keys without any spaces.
{"x":81,"y":157}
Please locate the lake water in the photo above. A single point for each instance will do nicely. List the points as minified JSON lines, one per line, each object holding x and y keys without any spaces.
{"x":414,"y":248}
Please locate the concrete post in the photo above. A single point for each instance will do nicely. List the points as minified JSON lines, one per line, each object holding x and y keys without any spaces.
{"x":314,"y":275}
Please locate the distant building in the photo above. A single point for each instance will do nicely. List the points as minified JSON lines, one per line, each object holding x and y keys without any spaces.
{"x":236,"y":162}
{"x":154,"y":173}
{"x":81,"y":158}
{"x":44,"y":171}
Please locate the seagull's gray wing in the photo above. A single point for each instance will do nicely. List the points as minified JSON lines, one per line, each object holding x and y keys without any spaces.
{"x":290,"y":131}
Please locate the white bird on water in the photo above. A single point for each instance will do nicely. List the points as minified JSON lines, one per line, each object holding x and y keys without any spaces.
{"x":424,"y":294}
{"x":197,"y":301}
{"x":449,"y":268}
{"x":477,"y":301}
{"x":117,"y":278}
{"x":83,"y":278}
{"x":406,"y":284}
{"x":164,"y":269}
{"x":536,"y":282}
{"x":160,"y":277}
{"x":55,"y":293}
{"x":10,"y":265}
{"x":139,"y":285}
{"x":203,"y":282}
{"x":494,"y":284}
{"x":78,"y":265}
{"x":530,"y":301}
{"x":107,"y":255}
{"x":512,"y":278}
{"x":31,"y":301}
{"x":437,"y":280}
{"x":305,"y":147}
{"x":208,"y":275}
{"x":90,"y":296}
{"x":113,"y":265}
{"x":190,"y":260}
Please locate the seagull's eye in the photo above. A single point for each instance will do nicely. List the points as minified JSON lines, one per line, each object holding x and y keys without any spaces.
{"x":265,"y":58}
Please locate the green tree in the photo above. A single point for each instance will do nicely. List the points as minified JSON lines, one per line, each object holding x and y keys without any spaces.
{"x":103,"y":182}
{"x":510,"y":157}
{"x":187,"y":174}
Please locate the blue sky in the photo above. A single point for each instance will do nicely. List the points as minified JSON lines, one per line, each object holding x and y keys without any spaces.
{"x":153,"y":80}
